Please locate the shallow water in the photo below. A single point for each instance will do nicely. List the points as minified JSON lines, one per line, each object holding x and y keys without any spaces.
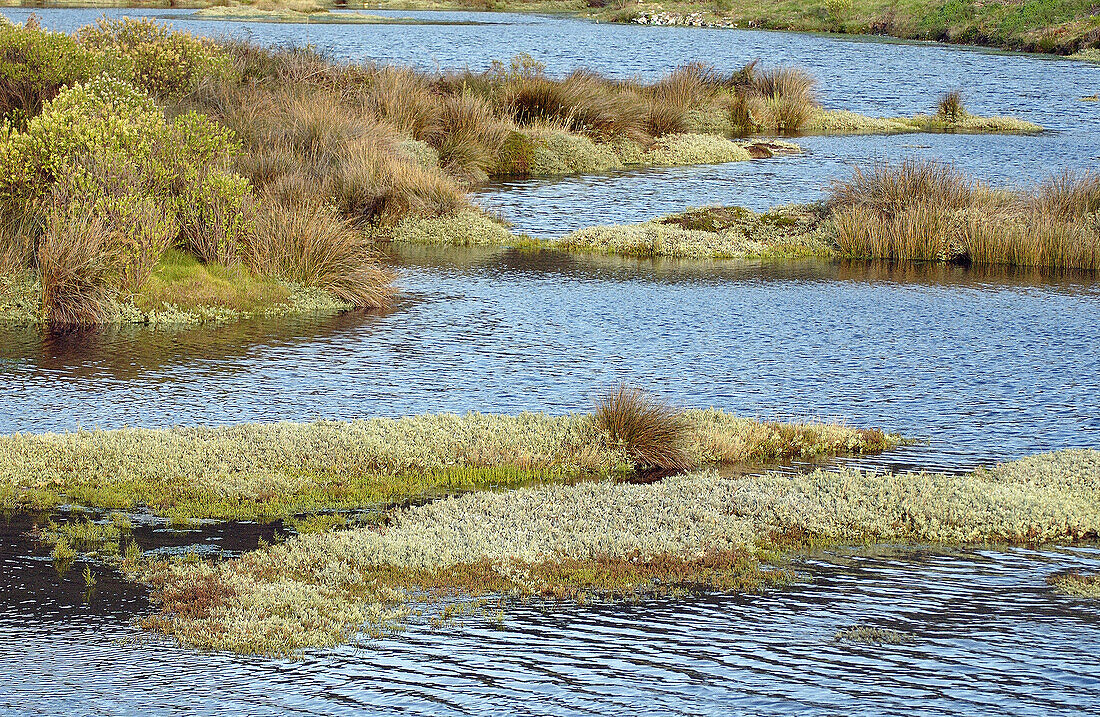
{"x":987,"y":634}
{"x":985,"y":365}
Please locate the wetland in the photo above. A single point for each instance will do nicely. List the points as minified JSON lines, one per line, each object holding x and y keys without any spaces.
{"x":913,"y":481}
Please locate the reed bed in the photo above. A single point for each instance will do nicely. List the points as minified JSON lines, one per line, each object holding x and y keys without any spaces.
{"x":605,"y":539}
{"x":929,"y":211}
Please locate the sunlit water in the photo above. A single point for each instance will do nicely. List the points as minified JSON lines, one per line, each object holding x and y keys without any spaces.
{"x":985,"y":366}
{"x":986,"y":634}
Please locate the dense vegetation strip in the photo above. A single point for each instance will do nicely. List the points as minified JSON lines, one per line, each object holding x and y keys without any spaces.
{"x":913,"y":211}
{"x":270,"y":471}
{"x":606,"y":539}
{"x":148,"y":175}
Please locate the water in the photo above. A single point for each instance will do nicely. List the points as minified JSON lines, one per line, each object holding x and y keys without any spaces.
{"x":987,"y":634}
{"x":985,"y":365}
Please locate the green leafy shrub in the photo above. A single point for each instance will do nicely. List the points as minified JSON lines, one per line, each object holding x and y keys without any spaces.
{"x":35,"y":65}
{"x":104,"y":152}
{"x":160,"y":61}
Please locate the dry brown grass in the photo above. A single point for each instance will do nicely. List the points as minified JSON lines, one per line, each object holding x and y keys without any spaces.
{"x":929,"y":211}
{"x":650,"y":431}
{"x":77,"y":267}
{"x":311,"y":245}
{"x":781,"y":100}
{"x":472,"y":136}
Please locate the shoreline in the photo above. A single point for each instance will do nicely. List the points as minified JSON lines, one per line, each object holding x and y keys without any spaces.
{"x":1068,"y":39}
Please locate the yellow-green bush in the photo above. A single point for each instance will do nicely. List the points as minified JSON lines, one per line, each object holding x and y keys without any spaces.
{"x":164,"y":63}
{"x":36,"y":65}
{"x":104,"y":150}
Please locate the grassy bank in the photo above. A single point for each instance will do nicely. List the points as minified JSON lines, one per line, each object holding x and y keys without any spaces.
{"x":1059,"y":26}
{"x":127,"y":140}
{"x":909,"y":212}
{"x":603,"y":539}
{"x":273,"y":471}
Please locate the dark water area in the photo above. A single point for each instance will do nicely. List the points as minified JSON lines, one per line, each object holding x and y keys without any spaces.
{"x":983,"y":365}
{"x":985,"y":634}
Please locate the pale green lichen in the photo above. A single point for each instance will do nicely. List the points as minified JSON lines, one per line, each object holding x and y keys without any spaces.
{"x":873,"y":635}
{"x":683,"y":149}
{"x":1077,"y":584}
{"x":318,"y":589}
{"x":20,"y":304}
{"x":784,"y":232}
{"x":839,"y":122}
{"x":265,"y":470}
{"x":419,"y":152}
{"x":468,"y":227}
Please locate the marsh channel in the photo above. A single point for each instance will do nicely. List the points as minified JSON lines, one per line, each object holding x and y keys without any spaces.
{"x":980,"y":365}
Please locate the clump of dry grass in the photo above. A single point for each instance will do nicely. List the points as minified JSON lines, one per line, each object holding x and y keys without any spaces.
{"x":951,"y":107}
{"x":76,"y":267}
{"x":472,"y":136}
{"x":930,"y":211}
{"x":651,"y":432}
{"x":311,"y":245}
{"x":1070,"y":194}
{"x":781,"y":100}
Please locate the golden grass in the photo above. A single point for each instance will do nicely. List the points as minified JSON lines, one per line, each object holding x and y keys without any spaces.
{"x":76,"y":265}
{"x":650,"y":431}
{"x":313,"y":246}
{"x":929,"y":211}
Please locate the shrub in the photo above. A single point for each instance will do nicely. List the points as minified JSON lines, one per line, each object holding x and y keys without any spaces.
{"x":211,"y":202}
{"x":160,"y":61}
{"x":311,"y":245}
{"x":652,"y":433}
{"x":35,"y":65}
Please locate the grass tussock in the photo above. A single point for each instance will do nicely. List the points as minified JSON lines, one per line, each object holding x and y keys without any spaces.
{"x":929,"y":211}
{"x":310,"y":246}
{"x":603,"y":538}
{"x":650,"y":431}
